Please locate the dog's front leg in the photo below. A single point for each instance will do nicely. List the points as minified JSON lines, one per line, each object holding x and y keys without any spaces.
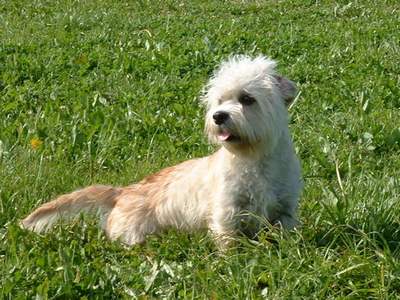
{"x":223,"y":224}
{"x":287,"y":222}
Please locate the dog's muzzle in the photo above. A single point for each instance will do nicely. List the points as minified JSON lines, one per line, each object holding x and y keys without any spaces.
{"x":220,"y":117}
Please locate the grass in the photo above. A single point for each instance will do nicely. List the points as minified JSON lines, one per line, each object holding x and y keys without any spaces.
{"x":107,"y":91}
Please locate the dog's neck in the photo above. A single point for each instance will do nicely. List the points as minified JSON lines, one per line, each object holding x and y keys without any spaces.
{"x":243,"y":155}
{"x":246,"y":153}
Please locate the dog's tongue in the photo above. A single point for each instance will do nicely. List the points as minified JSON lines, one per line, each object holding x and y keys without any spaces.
{"x":223,"y":135}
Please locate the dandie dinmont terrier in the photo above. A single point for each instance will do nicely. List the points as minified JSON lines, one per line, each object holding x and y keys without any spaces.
{"x":254,"y":176}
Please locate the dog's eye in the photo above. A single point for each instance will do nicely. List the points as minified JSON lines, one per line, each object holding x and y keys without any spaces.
{"x":246,"y":99}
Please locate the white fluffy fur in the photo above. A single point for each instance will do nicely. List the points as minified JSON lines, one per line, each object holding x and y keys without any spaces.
{"x":255,"y":173}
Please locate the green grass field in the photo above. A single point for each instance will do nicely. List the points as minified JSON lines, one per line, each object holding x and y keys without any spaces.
{"x":107,"y":92}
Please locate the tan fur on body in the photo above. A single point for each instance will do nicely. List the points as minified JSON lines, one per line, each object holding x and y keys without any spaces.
{"x":141,"y":207}
{"x":255,"y":172}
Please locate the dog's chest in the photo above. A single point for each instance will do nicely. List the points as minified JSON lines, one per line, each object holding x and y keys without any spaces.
{"x":250,"y":188}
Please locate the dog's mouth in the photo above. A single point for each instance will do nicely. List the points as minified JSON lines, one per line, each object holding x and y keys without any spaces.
{"x":226,"y":136}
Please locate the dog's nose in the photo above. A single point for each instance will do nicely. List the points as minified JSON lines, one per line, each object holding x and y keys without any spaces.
{"x":220,"y":117}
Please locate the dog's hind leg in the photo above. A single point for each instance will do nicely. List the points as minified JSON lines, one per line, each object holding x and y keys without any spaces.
{"x":131,"y":220}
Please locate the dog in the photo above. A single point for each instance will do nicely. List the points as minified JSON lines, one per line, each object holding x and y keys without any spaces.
{"x":255,"y":175}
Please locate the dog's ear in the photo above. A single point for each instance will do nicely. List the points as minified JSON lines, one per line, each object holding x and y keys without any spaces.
{"x":288,"y":89}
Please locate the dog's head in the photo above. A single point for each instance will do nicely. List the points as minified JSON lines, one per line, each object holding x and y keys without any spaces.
{"x":247,"y":104}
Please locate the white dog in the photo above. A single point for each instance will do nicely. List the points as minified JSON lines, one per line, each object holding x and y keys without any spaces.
{"x":254,"y":174}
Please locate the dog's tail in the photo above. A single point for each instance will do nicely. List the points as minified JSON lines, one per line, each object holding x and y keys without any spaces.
{"x":97,"y":199}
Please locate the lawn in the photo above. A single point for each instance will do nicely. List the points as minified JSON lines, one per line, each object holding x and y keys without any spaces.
{"x":107,"y":92}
